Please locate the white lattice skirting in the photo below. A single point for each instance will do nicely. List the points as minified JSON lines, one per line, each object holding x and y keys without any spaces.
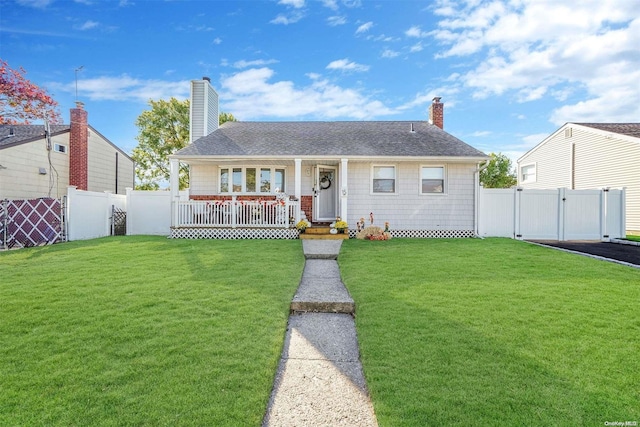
{"x":233,"y":233}
{"x":290,"y":233}
{"x":426,"y":234}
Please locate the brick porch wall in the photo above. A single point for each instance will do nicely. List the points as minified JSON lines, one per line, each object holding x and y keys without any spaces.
{"x":306,"y":205}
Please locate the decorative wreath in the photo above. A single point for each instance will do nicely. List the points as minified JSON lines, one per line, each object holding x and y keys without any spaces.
{"x":325,"y":182}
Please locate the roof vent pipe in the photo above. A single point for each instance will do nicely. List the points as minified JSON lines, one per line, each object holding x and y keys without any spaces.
{"x":412,"y":130}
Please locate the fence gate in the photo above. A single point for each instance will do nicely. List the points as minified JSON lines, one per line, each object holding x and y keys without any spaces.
{"x":118,"y":221}
{"x":555,"y":214}
{"x":25,"y":223}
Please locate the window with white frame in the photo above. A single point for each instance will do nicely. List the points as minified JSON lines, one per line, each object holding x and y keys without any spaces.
{"x":255,"y":180}
{"x":384,"y":179}
{"x":60,"y":148}
{"x":528,"y":173}
{"x":432,"y":179}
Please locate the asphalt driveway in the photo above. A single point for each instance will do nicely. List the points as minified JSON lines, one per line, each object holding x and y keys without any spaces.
{"x":625,"y":253}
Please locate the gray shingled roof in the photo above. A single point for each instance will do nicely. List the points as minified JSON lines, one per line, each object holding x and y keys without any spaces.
{"x":25,"y":133}
{"x":369,"y":139}
{"x":629,"y":129}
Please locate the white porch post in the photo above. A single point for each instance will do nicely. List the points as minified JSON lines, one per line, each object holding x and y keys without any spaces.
{"x":298,"y":186}
{"x":344,"y":192}
{"x":174,"y":187}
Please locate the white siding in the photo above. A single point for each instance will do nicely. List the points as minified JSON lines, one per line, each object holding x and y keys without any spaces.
{"x":609,"y":162}
{"x":408,"y":209}
{"x":203,"y":179}
{"x":203,"y":109}
{"x":601,"y":160}
{"x":553,"y":163}
{"x":22,"y":180}
{"x":102,"y":166}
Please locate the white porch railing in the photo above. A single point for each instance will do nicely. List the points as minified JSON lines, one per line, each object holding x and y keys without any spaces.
{"x":279,"y":213}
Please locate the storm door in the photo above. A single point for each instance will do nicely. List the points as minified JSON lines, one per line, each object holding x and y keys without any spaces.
{"x":325,"y":192}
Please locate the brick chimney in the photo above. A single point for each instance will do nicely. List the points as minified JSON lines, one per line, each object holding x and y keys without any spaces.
{"x":78,"y":147}
{"x":436,"y":113}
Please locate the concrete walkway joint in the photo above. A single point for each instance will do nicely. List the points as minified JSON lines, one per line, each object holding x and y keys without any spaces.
{"x":320,"y":381}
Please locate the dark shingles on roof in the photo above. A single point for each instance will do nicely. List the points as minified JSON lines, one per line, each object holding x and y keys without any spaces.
{"x":629,"y":129}
{"x":378,"y":138}
{"x":25,"y":133}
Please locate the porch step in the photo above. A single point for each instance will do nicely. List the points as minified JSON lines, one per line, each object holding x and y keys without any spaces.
{"x":323,"y":233}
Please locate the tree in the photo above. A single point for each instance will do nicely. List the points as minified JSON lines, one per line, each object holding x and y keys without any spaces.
{"x":21,"y":101}
{"x":164,"y":129}
{"x":499,"y":173}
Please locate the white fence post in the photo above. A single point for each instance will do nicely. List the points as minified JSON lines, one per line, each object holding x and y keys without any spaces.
{"x":562,"y":200}
{"x":517,"y":200}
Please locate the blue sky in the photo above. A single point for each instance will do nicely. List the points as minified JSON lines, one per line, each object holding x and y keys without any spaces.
{"x":509,"y":72}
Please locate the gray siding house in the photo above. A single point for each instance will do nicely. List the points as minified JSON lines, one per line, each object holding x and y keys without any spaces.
{"x":412,"y":174}
{"x":581,"y":156}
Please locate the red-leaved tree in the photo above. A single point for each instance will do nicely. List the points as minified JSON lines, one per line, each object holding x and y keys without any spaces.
{"x":21,"y":101}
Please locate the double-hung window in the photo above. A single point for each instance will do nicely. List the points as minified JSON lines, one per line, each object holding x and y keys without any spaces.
{"x":432,"y":180}
{"x":528,"y":173}
{"x":254,"y":180}
{"x":384,"y":180}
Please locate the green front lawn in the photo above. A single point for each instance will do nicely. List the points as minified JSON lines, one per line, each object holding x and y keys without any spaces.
{"x":633,"y":238}
{"x":143,"y":331}
{"x":494,"y":332}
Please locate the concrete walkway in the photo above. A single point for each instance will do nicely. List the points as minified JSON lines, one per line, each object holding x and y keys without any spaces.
{"x":320,"y":380}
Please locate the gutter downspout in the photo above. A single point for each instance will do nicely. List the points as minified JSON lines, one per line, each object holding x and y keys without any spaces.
{"x":476,"y":175}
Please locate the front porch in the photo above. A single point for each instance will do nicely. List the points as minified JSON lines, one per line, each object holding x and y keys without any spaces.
{"x":269,"y":194}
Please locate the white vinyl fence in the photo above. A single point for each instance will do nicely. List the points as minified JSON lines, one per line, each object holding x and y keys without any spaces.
{"x":148,"y":212}
{"x":557,"y":214}
{"x":89,"y":213}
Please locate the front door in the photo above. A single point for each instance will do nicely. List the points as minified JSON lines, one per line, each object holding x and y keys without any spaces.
{"x":325,"y":190}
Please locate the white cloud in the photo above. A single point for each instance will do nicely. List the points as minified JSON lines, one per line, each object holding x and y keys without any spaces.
{"x":481,"y":133}
{"x":251,"y":95}
{"x":530,"y":141}
{"x":40,"y":4}
{"x":352,"y":3}
{"x":89,"y":25}
{"x":331,"y":4}
{"x":364,"y":27}
{"x":291,"y":18}
{"x":346,"y":65}
{"x":415,"y":31}
{"x":416,"y":48}
{"x":217,"y":40}
{"x":531,"y":49}
{"x":254,"y":63}
{"x":293,"y":3}
{"x":124,"y":88}
{"x":388,"y":53}
{"x":446,"y":93}
{"x":336,"y":20}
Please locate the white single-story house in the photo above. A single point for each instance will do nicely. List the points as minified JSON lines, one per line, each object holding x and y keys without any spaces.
{"x":259,"y":175}
{"x":35,"y":165}
{"x":581,"y":156}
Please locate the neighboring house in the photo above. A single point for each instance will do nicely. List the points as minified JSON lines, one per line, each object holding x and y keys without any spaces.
{"x":33,"y":166}
{"x":413,"y":174}
{"x":588,"y":156}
